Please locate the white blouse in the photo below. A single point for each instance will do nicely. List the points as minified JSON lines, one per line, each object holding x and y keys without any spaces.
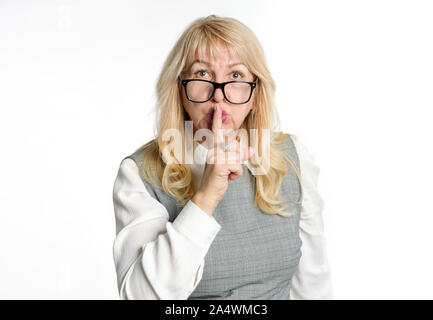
{"x":158,"y":259}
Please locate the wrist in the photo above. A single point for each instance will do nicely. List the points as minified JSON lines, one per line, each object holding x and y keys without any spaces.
{"x":205,"y":203}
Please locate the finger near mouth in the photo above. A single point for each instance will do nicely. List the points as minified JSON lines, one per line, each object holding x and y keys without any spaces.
{"x":223,"y":117}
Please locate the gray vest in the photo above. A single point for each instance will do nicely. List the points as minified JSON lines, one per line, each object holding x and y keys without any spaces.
{"x":254,"y":255}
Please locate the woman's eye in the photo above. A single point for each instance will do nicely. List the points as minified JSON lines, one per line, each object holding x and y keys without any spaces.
{"x":237,"y":75}
{"x":201,"y":73}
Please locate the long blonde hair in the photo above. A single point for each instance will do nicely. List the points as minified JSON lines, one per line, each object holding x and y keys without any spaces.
{"x":201,"y":37}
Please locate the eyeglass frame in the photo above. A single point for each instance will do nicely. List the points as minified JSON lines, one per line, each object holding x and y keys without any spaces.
{"x":217,"y":85}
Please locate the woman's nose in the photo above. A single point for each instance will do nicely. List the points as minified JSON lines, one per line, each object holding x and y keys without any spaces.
{"x":218,"y":95}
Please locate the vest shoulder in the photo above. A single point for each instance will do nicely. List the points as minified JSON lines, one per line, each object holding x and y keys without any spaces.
{"x":149,"y":152}
{"x":148,"y":147}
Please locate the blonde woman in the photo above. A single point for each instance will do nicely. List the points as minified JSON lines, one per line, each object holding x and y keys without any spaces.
{"x":245,"y":226}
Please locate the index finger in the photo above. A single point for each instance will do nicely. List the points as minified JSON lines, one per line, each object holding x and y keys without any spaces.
{"x":217,"y":126}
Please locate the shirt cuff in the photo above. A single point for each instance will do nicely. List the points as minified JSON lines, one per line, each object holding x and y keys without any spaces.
{"x":196,"y":224}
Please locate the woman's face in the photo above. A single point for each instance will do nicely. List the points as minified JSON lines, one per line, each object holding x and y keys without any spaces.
{"x":225,"y":68}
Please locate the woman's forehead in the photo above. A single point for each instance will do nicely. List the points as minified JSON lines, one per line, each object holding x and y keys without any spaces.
{"x":216,"y":56}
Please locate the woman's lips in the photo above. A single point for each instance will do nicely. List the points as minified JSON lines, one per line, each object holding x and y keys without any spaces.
{"x":224,"y":116}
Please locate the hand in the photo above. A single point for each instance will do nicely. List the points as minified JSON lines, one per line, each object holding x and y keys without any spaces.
{"x":218,"y":172}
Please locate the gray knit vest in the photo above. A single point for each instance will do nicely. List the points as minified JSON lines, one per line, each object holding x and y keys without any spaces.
{"x":254,"y":255}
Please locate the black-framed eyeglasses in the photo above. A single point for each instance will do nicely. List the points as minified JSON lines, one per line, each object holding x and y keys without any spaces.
{"x":235,"y":92}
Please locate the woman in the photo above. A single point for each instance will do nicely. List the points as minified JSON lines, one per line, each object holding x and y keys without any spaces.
{"x":212,"y":228}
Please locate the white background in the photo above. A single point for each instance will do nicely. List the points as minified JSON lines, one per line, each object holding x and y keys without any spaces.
{"x":354,"y":80}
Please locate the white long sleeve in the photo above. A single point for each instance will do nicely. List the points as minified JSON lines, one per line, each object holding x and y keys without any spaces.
{"x":312,"y":280}
{"x":154,"y":258}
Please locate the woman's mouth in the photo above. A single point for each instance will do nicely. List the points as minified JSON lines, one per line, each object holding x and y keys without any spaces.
{"x":224,"y":116}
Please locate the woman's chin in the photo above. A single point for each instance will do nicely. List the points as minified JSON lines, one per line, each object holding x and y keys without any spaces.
{"x":207,"y":124}
{"x":224,"y":126}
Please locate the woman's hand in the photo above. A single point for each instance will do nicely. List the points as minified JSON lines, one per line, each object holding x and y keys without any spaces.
{"x":218,"y":171}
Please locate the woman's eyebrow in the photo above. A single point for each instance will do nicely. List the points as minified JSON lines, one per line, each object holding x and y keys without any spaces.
{"x":207,"y":63}
{"x":199,"y":61}
{"x":235,"y":64}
